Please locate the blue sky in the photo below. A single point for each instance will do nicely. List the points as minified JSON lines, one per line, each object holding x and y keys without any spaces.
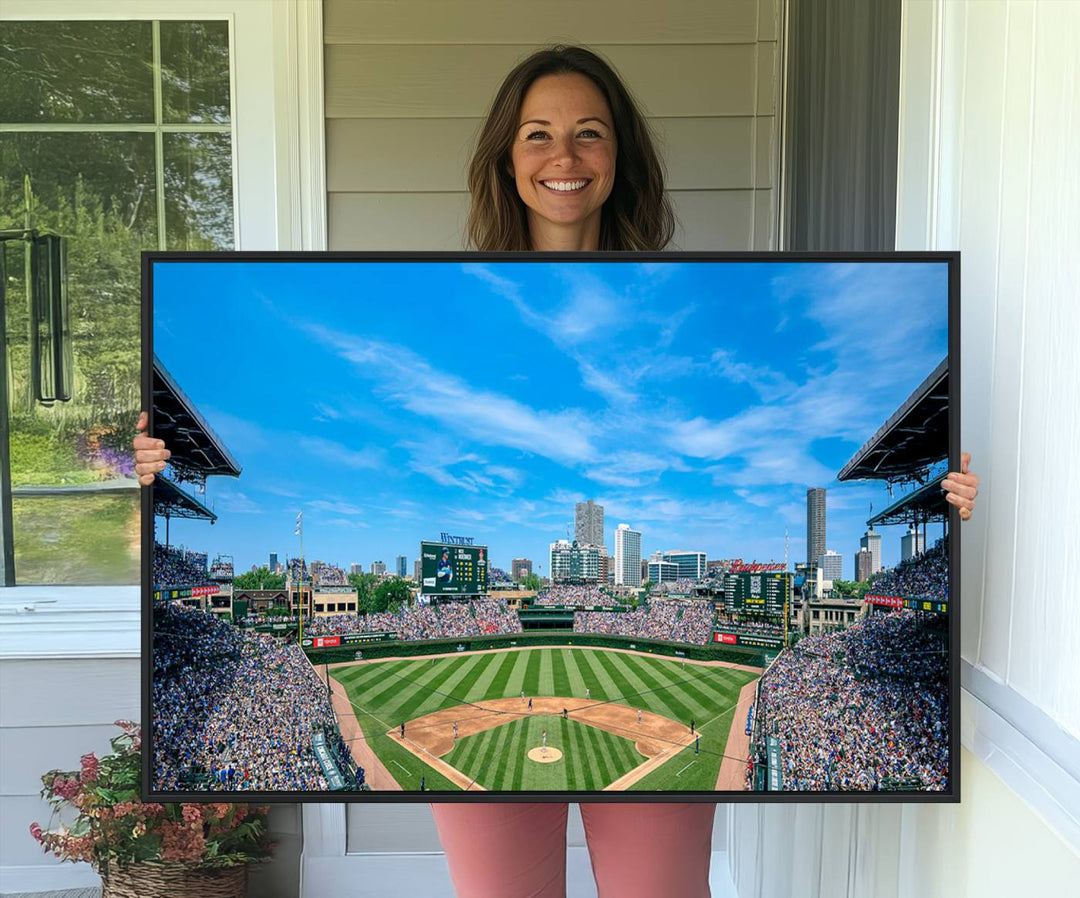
{"x":393,"y":401}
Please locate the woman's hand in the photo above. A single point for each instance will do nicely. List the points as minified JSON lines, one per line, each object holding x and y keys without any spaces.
{"x":150,"y":454}
{"x":962,"y":488}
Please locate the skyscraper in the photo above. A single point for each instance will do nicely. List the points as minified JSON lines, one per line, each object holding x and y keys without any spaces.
{"x":627,"y":556}
{"x":815,"y":524}
{"x":831,"y":565}
{"x":872,"y":540}
{"x":864,"y":565}
{"x":273,"y":562}
{"x":911,"y":544}
{"x":589,"y":523}
{"x":520,"y":568}
{"x":416,"y":568}
{"x":378,"y":568}
{"x":691,"y":564}
{"x":402,"y":566}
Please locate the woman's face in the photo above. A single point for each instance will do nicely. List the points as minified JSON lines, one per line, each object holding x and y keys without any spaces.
{"x":563,"y":158}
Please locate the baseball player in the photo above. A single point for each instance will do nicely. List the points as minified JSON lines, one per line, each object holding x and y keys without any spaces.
{"x":586,"y":692}
{"x":691,"y":726}
{"x":639,"y":716}
{"x":543,"y":742}
{"x":455,"y":729}
{"x":403,"y":729}
{"x":530,"y":704}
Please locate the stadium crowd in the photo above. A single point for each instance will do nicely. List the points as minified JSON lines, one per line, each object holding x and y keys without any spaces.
{"x":683,"y":586}
{"x":925,"y":575}
{"x":232,"y":710}
{"x":446,"y":620}
{"x":675,"y":621}
{"x":854,"y":707}
{"x":568,"y":594}
{"x":173,"y":567}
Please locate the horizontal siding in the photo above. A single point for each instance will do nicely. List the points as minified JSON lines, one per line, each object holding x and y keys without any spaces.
{"x":397,"y":221}
{"x":524,"y":22}
{"x":37,"y":693}
{"x":707,"y":220}
{"x":28,"y":752}
{"x":374,"y":81}
{"x":432,"y":155}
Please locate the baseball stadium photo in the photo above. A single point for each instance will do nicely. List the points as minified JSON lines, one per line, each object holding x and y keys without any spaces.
{"x":577,"y":527}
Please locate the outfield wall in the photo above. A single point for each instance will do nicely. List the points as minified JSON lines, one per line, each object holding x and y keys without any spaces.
{"x":401,"y":648}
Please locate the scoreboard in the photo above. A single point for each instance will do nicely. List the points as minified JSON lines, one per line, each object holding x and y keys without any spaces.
{"x":449,"y":570}
{"x":763,"y":593}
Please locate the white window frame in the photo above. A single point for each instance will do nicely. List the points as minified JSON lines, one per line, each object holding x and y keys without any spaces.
{"x":279,"y":204}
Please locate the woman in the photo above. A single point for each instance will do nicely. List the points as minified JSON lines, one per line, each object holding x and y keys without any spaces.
{"x":565,"y":162}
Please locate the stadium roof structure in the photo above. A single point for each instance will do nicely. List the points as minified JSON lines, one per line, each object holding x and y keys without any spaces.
{"x":925,"y":504}
{"x":912,"y":441}
{"x":197,"y":452}
{"x":172,"y":502}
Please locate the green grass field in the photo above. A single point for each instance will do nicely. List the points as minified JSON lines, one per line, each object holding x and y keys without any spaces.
{"x":385,"y":693}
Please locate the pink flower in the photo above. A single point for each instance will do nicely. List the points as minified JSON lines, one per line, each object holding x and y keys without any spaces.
{"x":37,"y":832}
{"x":89,"y":767}
{"x":65,"y":788}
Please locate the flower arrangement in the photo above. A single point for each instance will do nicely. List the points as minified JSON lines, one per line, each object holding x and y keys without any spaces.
{"x":113,"y":827}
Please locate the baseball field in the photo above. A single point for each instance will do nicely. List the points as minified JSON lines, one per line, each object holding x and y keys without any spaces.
{"x":599,"y":719}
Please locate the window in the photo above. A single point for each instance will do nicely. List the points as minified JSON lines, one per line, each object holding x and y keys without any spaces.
{"x":117,"y":136}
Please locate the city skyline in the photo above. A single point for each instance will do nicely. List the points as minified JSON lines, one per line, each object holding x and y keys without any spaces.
{"x":696,"y":401}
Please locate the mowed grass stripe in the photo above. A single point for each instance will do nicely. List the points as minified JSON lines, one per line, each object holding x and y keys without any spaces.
{"x":681,"y":694}
{"x":532,"y":672}
{"x":382,"y":695}
{"x":580,"y":759}
{"x":572,"y":756}
{"x":596,"y":748}
{"x":561,"y":685}
{"x":597,"y":678}
{"x":499,"y":776}
{"x":658,"y":697}
{"x":629,"y":688}
{"x":515,"y":682}
{"x":516,"y":769}
{"x":492,"y":683}
{"x":488,"y":757}
{"x":574,"y":674}
{"x":546,"y":680}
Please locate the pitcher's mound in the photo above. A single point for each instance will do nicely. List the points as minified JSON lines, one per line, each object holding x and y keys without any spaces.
{"x":545,"y":757}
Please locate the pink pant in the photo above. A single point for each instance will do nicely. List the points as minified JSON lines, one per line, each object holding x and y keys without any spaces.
{"x":519,"y":850}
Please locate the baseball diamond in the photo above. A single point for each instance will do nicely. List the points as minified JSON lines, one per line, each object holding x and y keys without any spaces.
{"x":601,"y":744}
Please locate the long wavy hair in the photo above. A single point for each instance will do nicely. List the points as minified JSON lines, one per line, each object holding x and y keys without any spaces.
{"x":637,"y":214}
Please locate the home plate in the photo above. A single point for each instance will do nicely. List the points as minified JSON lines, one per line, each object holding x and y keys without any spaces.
{"x":545,"y":755}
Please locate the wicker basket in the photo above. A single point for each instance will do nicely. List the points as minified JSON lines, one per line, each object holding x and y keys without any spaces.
{"x":149,"y":880}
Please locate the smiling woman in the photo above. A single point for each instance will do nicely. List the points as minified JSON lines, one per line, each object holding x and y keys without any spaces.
{"x":565,"y":161}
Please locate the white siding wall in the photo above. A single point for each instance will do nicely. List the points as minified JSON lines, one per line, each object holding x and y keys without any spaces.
{"x":408,"y":82}
{"x":989,"y":143}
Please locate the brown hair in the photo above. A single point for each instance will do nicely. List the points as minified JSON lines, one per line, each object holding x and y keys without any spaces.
{"x":637,"y":214}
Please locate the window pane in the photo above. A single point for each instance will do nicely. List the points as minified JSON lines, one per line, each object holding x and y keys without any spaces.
{"x":198,"y":192}
{"x":98,"y":191}
{"x":80,"y":540}
{"x":195,"y":72}
{"x":76,"y":72}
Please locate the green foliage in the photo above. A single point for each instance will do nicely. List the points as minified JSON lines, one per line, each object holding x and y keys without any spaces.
{"x":364,"y":584}
{"x":261,"y":578}
{"x":531,"y":582}
{"x":392,"y":594}
{"x":851,"y":588}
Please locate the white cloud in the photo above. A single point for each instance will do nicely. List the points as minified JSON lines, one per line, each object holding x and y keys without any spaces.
{"x":487,"y":417}
{"x":337,"y":454}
